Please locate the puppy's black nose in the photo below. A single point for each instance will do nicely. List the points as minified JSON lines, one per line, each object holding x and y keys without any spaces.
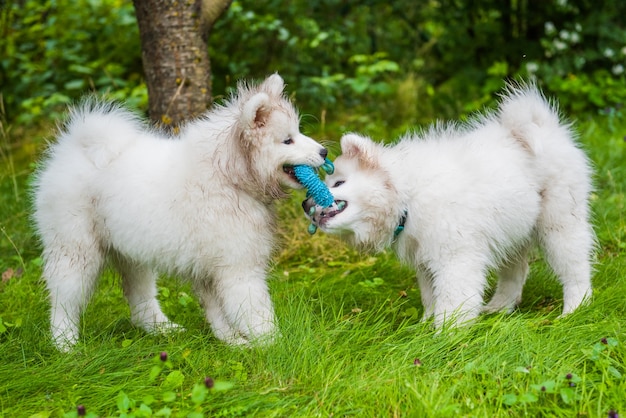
{"x":324,"y":153}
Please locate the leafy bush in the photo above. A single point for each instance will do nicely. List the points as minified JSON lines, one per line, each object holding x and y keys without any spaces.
{"x":334,"y":54}
{"x":583,"y":55}
{"x":53,"y":51}
{"x":461,"y":51}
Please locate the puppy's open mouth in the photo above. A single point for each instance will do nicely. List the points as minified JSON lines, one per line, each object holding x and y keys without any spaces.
{"x":327,"y":213}
{"x":288,"y":169}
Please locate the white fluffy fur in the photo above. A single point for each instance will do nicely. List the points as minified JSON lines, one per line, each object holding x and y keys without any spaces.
{"x":199,"y":205}
{"x":476,"y":197}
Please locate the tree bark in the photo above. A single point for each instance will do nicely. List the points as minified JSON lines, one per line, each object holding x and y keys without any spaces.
{"x":174,"y":42}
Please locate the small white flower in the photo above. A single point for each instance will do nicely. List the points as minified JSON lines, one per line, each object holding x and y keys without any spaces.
{"x":624,"y":50}
{"x":559,"y":45}
{"x":618,"y":69}
{"x":565,"y":35}
{"x":532,"y":67}
{"x":549,"y":28}
{"x":575,"y":37}
{"x":562,"y":3}
{"x":608,"y":52}
{"x":578,"y":27}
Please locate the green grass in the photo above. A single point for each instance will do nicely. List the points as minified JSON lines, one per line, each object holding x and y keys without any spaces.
{"x":351,"y":342}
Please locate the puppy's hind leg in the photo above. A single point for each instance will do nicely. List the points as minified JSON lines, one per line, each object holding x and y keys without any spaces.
{"x":511,"y":279}
{"x":139,"y":284}
{"x":567,"y":239}
{"x":71,"y":270}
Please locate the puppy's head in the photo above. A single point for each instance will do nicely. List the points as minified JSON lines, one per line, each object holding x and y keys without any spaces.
{"x":270,"y":136}
{"x":366,"y":207}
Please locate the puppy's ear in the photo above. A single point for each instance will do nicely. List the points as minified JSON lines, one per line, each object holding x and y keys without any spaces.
{"x":360,"y":147}
{"x":256,"y":111}
{"x":273,"y":85}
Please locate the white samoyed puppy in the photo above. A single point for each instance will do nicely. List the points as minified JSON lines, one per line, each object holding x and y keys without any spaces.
{"x":459,"y":200}
{"x":198,"y":205}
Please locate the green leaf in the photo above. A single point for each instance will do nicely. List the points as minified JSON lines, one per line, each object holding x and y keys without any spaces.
{"x":198,"y":393}
{"x":184,"y":299}
{"x":411,"y":313}
{"x":473,"y":367}
{"x":155,"y":371}
{"x":123,"y":402}
{"x":144,"y":410}
{"x":80,"y":69}
{"x":163,"y":412}
{"x":548,"y":386}
{"x":375,"y":282}
{"x":75,"y":85}
{"x":169,"y":396}
{"x":509,"y":399}
{"x":614,"y":372}
{"x":44,"y":414}
{"x":575,"y":378}
{"x":528,"y":398}
{"x":222,"y":386}
{"x":174,"y":379}
{"x":568,"y":395}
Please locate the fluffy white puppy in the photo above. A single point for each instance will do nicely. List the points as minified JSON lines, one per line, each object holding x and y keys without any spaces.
{"x":199,"y":205}
{"x":460,"y":200}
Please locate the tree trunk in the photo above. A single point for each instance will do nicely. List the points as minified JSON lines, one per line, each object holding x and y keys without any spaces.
{"x":174,"y":42}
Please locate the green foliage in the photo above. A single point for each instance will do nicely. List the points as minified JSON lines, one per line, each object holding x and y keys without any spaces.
{"x":583,"y":55}
{"x":165,"y":396}
{"x":346,"y":55}
{"x":335,"y":55}
{"x":53,"y":51}
{"x":324,"y":49}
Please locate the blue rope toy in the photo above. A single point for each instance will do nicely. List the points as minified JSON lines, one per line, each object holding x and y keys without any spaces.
{"x":316,"y":188}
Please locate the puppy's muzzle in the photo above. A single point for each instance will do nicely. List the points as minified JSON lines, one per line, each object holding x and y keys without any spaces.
{"x":318,"y":214}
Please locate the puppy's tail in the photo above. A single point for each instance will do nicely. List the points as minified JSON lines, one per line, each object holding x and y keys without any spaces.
{"x":528,"y":115}
{"x":101,"y":129}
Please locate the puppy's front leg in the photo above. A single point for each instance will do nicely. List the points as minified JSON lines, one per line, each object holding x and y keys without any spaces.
{"x":458,"y":288}
{"x":245,"y":302}
{"x":425,"y":282}
{"x":215,"y":315}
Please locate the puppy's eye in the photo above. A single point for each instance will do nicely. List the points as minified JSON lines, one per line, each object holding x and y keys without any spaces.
{"x":338,"y":183}
{"x":288,"y":141}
